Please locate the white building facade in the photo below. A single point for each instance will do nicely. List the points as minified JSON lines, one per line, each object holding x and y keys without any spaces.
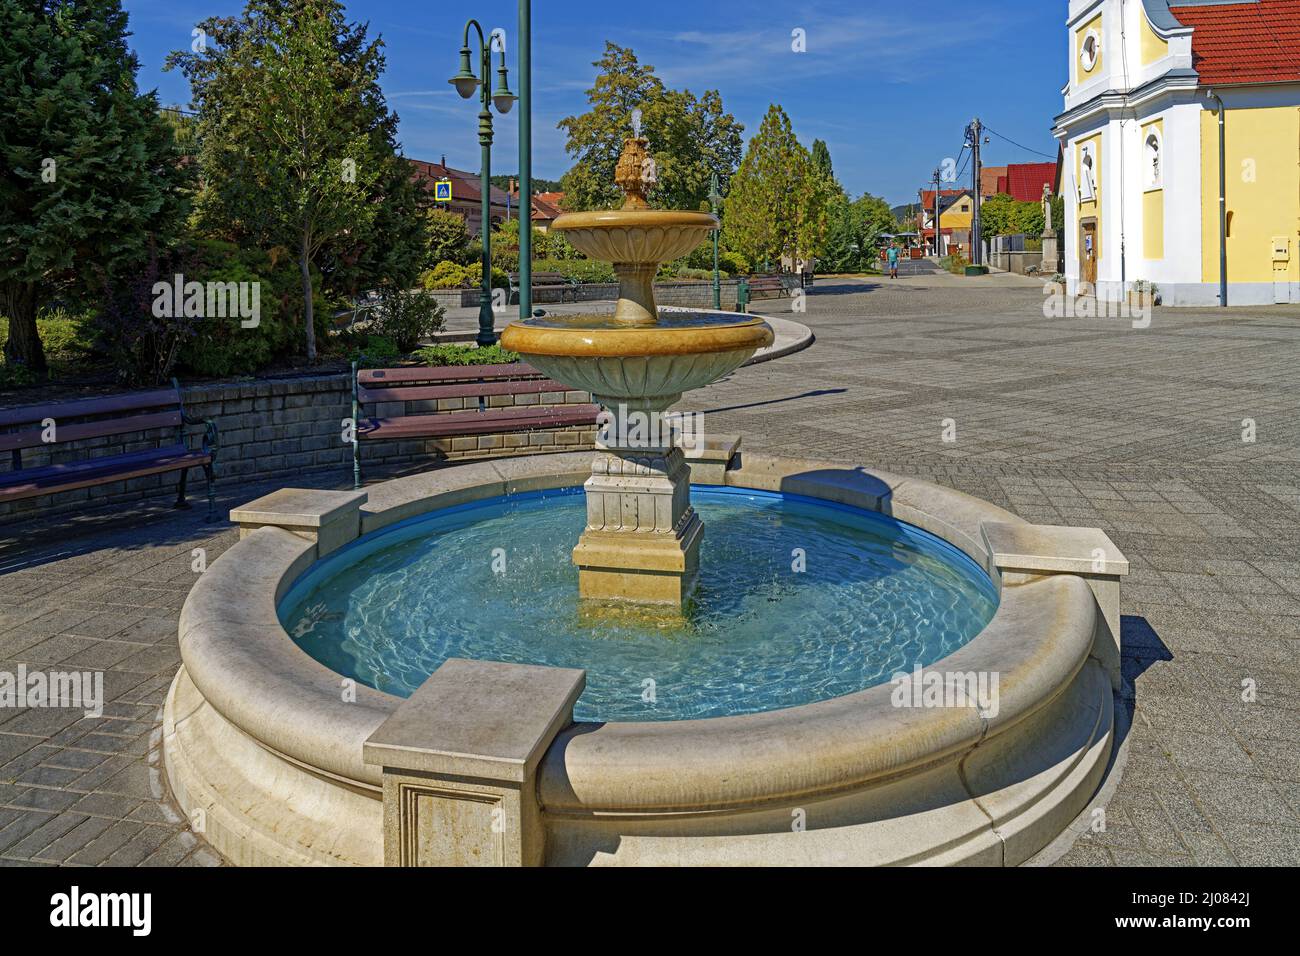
{"x":1140,"y":166}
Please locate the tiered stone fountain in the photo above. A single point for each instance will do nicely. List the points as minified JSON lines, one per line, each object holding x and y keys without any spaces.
{"x":642,"y":539}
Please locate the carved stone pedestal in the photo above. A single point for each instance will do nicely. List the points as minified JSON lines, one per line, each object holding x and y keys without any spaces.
{"x":642,"y":541}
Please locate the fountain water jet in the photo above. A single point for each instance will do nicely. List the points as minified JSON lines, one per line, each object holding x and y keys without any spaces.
{"x":641,"y":542}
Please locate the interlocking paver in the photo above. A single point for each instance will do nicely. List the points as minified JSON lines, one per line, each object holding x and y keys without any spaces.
{"x":1136,"y":431}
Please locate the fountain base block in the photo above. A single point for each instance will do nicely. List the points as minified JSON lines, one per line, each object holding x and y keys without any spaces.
{"x":642,"y":540}
{"x":640,"y":567}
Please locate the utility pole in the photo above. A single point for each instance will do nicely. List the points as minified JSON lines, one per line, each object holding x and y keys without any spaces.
{"x":938,"y":250}
{"x":974,"y":135}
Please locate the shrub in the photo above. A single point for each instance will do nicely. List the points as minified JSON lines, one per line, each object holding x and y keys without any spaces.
{"x":62,"y":332}
{"x":733,"y":263}
{"x":378,"y":352}
{"x":143,"y":347}
{"x":448,"y":275}
{"x":227,"y":346}
{"x":445,"y":275}
{"x":553,"y":245}
{"x":580,"y":270}
{"x":955,"y":262}
{"x":448,"y":240}
{"x":504,"y":257}
{"x":474,"y":277}
{"x":16,"y":376}
{"x":407,"y":317}
{"x":457,"y":354}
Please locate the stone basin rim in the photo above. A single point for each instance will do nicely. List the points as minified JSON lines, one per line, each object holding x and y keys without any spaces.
{"x":638,"y":341}
{"x":250,"y":672}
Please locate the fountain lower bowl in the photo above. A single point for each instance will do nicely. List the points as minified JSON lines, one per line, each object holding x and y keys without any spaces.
{"x":257,"y":734}
{"x":597,"y":354}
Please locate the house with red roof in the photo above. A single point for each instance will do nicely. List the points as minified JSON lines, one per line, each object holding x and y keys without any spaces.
{"x":546,"y":209}
{"x":956,"y":209}
{"x":1180,"y":144}
{"x":1024,"y":182}
{"x":466,"y":194}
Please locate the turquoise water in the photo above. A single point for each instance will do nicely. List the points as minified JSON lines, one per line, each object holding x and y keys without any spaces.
{"x":495,"y":581}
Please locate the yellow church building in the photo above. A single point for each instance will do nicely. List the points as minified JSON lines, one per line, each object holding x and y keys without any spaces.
{"x":1180,"y":138}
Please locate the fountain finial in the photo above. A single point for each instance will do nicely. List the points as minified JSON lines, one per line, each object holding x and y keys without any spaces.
{"x":636,"y":173}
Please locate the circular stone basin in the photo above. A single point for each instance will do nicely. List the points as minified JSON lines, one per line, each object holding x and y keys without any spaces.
{"x":799,"y":600}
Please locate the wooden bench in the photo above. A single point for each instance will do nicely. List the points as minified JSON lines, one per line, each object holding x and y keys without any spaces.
{"x":60,"y":423}
{"x":760,"y":287}
{"x":546,"y":281}
{"x":474,"y":386}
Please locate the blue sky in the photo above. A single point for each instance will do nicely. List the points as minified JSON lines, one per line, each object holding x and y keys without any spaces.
{"x":889,"y":86}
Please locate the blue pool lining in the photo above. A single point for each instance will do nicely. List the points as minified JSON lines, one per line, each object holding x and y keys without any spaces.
{"x":408,"y":528}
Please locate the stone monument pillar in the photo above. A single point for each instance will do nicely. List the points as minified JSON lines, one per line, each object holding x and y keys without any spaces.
{"x":1051,"y":248}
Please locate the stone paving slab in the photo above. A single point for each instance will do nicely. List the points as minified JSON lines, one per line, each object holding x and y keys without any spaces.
{"x":1062,"y":421}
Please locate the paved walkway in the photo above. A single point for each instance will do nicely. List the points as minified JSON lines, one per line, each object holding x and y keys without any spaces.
{"x":1065,"y":421}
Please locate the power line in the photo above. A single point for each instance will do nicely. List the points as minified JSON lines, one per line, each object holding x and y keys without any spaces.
{"x":966,"y":163}
{"x":1028,"y":149}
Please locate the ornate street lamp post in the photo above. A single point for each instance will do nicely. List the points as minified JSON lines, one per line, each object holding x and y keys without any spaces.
{"x":715,"y":199}
{"x":466,"y":83}
{"x":525,"y":42}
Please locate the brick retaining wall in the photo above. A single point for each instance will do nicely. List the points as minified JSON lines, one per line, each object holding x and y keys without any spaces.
{"x":282,"y":427}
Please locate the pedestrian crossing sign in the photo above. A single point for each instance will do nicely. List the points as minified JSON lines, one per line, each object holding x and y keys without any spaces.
{"x":442,"y":190}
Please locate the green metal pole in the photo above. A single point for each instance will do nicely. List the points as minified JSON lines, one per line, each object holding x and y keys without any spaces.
{"x":717,"y":282}
{"x":486,"y":323}
{"x":525,"y":42}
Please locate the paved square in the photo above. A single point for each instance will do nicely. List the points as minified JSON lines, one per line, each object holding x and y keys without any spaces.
{"x":1062,"y":421}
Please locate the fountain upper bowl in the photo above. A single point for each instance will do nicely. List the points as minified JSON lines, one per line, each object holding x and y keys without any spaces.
{"x":635,"y":235}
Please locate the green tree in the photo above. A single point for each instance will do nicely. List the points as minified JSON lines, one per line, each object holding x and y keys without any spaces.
{"x":448,"y":240}
{"x":88,"y":169}
{"x":690,"y":137}
{"x":854,"y":232}
{"x":388,"y":249}
{"x":779,"y":200}
{"x":821,"y":157}
{"x":1001,"y":215}
{"x":299,"y":146}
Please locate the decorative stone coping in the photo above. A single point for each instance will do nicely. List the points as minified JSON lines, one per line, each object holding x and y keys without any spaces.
{"x":711,"y":457}
{"x":467,"y":744}
{"x":478,"y":719}
{"x":329,"y":518}
{"x":1037,"y":548}
{"x":251,"y":675}
{"x":1020,"y":549}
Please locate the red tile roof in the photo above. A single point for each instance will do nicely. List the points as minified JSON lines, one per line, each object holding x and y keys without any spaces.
{"x":1244,"y":42}
{"x":927,"y":196}
{"x":1025,"y":181}
{"x":464,"y":184}
{"x":546,"y":206}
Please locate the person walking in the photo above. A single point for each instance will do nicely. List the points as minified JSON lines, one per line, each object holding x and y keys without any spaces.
{"x":893,"y":260}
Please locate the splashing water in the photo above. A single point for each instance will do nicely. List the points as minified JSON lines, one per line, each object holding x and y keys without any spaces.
{"x":798,"y":601}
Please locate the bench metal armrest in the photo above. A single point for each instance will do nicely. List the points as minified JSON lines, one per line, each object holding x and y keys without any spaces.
{"x":211,"y":435}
